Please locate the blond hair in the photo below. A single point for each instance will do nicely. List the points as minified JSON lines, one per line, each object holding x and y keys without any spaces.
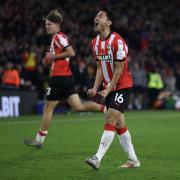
{"x":54,"y":16}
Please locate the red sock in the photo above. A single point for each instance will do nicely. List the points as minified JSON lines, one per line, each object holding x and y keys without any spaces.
{"x":122,"y":130}
{"x":103,"y":108}
{"x":109,"y":127}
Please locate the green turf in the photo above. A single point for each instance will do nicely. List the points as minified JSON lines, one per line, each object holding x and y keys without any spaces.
{"x":72,"y":138}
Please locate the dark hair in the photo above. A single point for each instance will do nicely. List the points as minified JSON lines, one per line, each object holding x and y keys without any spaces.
{"x":54,"y":16}
{"x":109,"y":13}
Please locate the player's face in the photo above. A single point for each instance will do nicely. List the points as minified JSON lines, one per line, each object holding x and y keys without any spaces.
{"x":101,"y":21}
{"x":51,"y":27}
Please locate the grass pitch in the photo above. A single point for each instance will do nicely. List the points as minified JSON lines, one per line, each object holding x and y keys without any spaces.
{"x":72,"y":138}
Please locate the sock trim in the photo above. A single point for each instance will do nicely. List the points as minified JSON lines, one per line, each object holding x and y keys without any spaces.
{"x":102,"y":108}
{"x":42,"y":133}
{"x":109,"y":127}
{"x":122,"y":130}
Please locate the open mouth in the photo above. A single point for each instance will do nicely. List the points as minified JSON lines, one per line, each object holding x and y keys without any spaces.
{"x":96,"y":24}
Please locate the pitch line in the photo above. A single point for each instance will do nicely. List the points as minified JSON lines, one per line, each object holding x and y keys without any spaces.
{"x":85,"y":119}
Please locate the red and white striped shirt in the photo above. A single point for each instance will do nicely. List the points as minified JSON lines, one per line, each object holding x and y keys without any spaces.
{"x":60,"y":67}
{"x":106,"y":52}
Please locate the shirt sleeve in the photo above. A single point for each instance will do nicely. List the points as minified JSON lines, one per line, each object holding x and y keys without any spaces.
{"x":120,"y":50}
{"x":61,"y":41}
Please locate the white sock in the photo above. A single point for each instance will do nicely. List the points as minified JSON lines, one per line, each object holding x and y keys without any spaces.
{"x":40,"y":136}
{"x":126,"y":143}
{"x":106,"y":140}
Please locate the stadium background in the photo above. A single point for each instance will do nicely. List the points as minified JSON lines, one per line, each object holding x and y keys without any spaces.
{"x":151,"y":30}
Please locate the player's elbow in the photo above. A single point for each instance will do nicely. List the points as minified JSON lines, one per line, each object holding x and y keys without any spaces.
{"x":72,"y":54}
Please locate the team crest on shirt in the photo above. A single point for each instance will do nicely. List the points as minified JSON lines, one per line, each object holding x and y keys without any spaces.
{"x":106,"y":58}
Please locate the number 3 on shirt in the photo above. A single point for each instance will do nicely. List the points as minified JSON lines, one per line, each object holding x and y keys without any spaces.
{"x":119,"y":98}
{"x":48,"y":91}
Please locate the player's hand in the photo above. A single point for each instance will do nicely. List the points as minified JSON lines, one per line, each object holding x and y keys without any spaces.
{"x":48,"y":58}
{"x":92,"y":92}
{"x":104,"y":93}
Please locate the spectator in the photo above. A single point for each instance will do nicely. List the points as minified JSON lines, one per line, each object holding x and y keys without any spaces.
{"x":1,"y":74}
{"x":155,"y":86}
{"x":30,"y":64}
{"x":149,"y":34}
{"x":10,"y":78}
{"x":177,"y":73}
{"x":169,"y":80}
{"x":139,"y":88}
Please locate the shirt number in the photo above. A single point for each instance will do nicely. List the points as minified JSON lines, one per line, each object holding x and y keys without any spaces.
{"x":48,"y":91}
{"x":119,"y":98}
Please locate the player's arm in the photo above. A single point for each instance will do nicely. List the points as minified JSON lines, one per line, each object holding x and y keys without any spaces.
{"x":62,"y":43}
{"x":119,"y":67}
{"x":99,"y":76}
{"x":68,"y":52}
{"x":98,"y":80}
{"x":120,"y":56}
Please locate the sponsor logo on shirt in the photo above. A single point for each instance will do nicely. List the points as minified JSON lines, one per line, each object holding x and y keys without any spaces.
{"x":106,"y":58}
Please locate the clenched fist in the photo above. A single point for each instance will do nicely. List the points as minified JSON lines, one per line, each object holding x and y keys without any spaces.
{"x":48,"y":58}
{"x":92,"y":92}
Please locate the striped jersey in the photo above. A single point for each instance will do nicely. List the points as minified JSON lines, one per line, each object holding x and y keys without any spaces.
{"x":60,"y":67}
{"x":106,"y":52}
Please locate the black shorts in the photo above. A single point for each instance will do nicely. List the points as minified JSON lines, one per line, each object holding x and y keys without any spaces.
{"x":60,"y":88}
{"x":118,"y":99}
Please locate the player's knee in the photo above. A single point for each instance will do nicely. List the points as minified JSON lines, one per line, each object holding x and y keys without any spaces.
{"x":110,"y":119}
{"x":118,"y":126}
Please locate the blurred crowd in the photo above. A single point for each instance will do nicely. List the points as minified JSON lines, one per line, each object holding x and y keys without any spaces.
{"x":150,"y":28}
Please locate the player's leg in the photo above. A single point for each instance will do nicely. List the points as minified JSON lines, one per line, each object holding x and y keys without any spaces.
{"x":47,"y":115}
{"x":75,"y":102}
{"x":46,"y":120}
{"x":126,"y":143}
{"x":106,"y":139}
{"x":122,"y":130}
{"x":52,"y":99}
